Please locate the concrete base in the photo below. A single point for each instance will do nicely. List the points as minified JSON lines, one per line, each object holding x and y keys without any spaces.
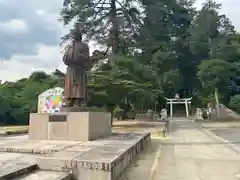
{"x":16,"y":166}
{"x":102,"y":159}
{"x":72,"y":126}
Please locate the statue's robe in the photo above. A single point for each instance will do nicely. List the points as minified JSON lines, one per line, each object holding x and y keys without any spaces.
{"x":78,"y":62}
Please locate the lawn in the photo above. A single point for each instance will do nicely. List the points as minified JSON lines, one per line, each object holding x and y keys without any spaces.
{"x":4,"y":130}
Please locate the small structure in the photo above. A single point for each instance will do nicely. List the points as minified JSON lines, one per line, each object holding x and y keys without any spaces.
{"x":52,"y":123}
{"x":97,"y":153}
{"x":177,"y":96}
{"x":51,"y":100}
{"x":74,"y":121}
{"x":185,"y":101}
{"x":163,"y":114}
{"x":199,"y":114}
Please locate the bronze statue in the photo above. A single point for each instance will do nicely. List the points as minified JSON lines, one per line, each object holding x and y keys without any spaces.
{"x":78,"y":62}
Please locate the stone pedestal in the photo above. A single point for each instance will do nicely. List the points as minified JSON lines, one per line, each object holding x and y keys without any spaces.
{"x":72,"y":126}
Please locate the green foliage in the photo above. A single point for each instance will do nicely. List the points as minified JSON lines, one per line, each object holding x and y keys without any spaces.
{"x":214,"y":73}
{"x":20,"y":98}
{"x":234,"y":103}
{"x":4,"y":109}
{"x":159,"y":48}
{"x":118,"y":112}
{"x":107,"y":22}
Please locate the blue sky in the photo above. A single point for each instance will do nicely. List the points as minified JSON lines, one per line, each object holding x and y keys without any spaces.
{"x":30,"y":35}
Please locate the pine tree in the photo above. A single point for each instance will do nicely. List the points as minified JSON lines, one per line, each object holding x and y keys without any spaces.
{"x":108,"y":22}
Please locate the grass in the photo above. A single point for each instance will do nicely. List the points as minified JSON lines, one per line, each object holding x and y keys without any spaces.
{"x":7,"y":130}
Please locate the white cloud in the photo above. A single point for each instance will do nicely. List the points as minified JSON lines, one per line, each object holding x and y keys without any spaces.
{"x":229,"y":7}
{"x":14,"y":26}
{"x":40,"y":12}
{"x":50,"y":18}
{"x":47,"y":59}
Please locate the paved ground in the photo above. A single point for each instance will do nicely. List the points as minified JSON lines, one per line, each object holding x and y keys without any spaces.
{"x":229,"y":131}
{"x":230,"y":134}
{"x":143,"y":168}
{"x":20,"y":145}
{"x":190,"y":154}
{"x":25,"y":137}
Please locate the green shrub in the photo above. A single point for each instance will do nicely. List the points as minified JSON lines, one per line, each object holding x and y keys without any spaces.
{"x":234,"y":103}
{"x":118,"y":112}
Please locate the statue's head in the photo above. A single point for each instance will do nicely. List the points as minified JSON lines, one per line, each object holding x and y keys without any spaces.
{"x":77,"y":35}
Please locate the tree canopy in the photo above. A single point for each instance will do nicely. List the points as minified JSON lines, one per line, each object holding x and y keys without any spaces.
{"x":159,"y":48}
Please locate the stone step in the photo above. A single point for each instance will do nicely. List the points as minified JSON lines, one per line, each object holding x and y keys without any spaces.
{"x":45,"y":175}
{"x":15,"y":169}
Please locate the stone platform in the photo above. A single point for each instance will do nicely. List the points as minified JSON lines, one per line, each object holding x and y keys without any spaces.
{"x":69,"y":126}
{"x":102,"y":159}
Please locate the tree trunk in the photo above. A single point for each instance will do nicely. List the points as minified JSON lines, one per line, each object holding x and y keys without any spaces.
{"x":114,"y":34}
{"x":112,"y":116}
{"x":217,"y":101}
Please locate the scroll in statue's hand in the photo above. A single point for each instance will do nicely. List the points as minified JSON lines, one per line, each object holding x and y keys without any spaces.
{"x":65,"y":60}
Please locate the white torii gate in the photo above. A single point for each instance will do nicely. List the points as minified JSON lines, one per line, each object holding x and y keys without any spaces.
{"x":185,"y":101}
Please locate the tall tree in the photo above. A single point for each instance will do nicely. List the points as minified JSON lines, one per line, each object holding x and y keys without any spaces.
{"x":228,"y":49}
{"x":205,"y":31}
{"x":165,"y":25}
{"x":106,"y":21}
{"x":214,"y":74}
